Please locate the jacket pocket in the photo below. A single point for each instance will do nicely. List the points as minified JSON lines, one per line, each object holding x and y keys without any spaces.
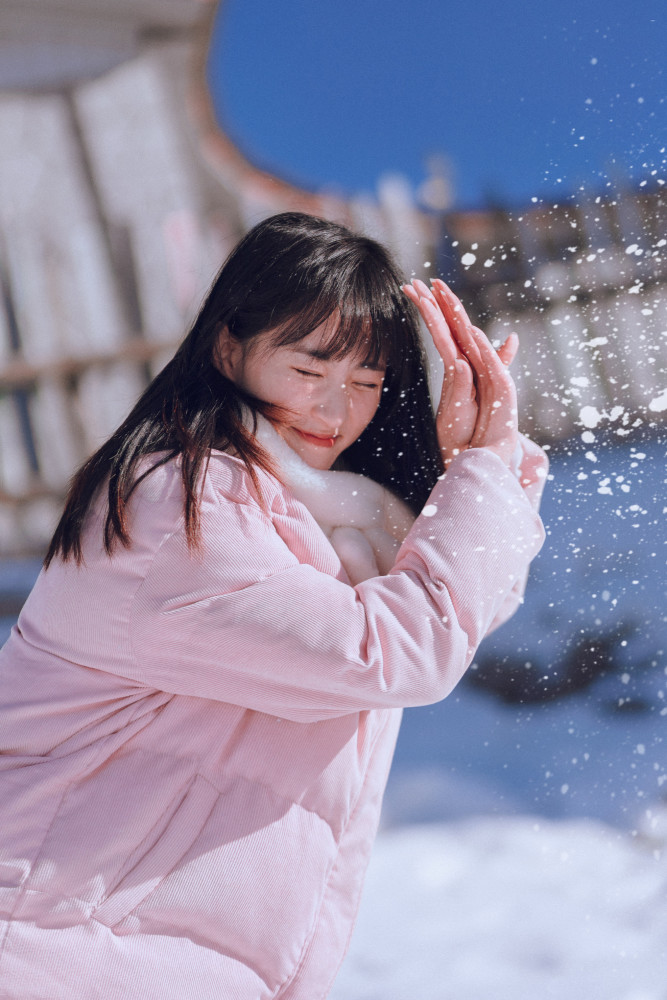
{"x":159,"y":854}
{"x":248,"y":885}
{"x":28,"y":806}
{"x":106,"y":822}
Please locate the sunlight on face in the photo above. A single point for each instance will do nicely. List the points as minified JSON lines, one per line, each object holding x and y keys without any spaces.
{"x":330,"y":402}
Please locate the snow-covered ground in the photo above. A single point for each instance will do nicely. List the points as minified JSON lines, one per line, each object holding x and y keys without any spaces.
{"x":523,"y":849}
{"x":512,"y":908}
{"x":512,"y":891}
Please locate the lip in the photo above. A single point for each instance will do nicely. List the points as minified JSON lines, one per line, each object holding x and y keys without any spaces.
{"x":323,"y":442}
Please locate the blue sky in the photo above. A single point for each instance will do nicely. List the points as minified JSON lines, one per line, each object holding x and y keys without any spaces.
{"x":524,"y":98}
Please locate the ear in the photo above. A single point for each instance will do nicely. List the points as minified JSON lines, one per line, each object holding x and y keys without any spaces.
{"x":228,"y":353}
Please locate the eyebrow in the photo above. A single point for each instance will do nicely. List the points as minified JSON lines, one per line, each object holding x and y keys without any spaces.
{"x":319,"y":355}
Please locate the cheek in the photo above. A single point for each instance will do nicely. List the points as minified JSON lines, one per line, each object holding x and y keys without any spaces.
{"x":366,"y":411}
{"x":285,"y":389}
{"x":297,"y":392}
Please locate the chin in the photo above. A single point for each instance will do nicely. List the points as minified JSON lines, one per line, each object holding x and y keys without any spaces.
{"x":321,"y":462}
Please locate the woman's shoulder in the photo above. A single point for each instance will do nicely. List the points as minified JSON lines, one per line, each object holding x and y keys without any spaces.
{"x":238,"y":510}
{"x":225,"y":478}
{"x":228,"y":478}
{"x":240,"y":538}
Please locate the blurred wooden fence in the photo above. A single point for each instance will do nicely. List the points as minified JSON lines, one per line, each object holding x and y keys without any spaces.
{"x":107,"y":244}
{"x":111,"y":228}
{"x":585,"y":287}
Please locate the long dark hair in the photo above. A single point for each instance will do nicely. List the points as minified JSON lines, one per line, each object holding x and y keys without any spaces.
{"x":289,"y":274}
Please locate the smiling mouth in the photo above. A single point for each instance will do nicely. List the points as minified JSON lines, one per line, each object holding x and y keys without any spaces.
{"x":323,"y":442}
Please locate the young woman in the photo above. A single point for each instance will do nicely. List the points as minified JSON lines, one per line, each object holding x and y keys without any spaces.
{"x":262,"y":566}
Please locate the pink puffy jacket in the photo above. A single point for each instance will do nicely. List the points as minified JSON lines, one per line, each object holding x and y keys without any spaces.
{"x":194,"y":747}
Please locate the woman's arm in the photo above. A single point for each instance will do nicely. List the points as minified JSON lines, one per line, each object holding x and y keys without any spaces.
{"x":251,"y":625}
{"x":477,"y":406}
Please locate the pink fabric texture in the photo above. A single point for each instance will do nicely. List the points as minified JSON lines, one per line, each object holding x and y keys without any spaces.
{"x":194,"y":746}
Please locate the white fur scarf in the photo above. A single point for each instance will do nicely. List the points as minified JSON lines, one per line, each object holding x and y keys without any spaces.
{"x":364,"y":522}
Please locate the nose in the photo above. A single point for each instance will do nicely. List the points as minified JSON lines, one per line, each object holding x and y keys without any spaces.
{"x":331,"y":407}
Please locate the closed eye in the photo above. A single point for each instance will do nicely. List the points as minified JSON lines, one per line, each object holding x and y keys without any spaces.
{"x":310,"y":374}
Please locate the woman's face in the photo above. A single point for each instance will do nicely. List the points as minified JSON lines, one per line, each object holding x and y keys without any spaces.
{"x":330,"y":401}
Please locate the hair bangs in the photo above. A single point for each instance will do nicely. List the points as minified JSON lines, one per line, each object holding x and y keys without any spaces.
{"x":368,"y":323}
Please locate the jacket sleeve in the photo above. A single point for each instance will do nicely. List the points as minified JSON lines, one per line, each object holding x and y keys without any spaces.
{"x":272,"y":634}
{"x":533,"y":468}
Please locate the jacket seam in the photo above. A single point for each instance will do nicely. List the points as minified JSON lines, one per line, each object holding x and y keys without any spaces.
{"x":22,"y":887}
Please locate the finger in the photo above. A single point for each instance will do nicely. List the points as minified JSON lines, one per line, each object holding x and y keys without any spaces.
{"x":463,"y":402}
{"x":471,"y":342}
{"x":490,"y":358}
{"x":458,"y":320}
{"x":507,"y":351}
{"x":436,"y":323}
{"x":444,"y":293}
{"x":490,"y":374}
{"x":457,"y":413}
{"x":422,"y":289}
{"x":496,"y":395}
{"x":497,"y":426}
{"x":440,"y":332}
{"x":458,"y":388}
{"x":448,"y":313}
{"x":497,"y":406}
{"x":411,"y":293}
{"x":418,"y":291}
{"x":495,"y":388}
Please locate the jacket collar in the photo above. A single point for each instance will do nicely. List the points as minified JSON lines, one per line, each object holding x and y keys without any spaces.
{"x":364,"y":522}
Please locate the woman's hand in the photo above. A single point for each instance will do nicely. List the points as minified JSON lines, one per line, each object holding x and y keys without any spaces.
{"x":478,"y":403}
